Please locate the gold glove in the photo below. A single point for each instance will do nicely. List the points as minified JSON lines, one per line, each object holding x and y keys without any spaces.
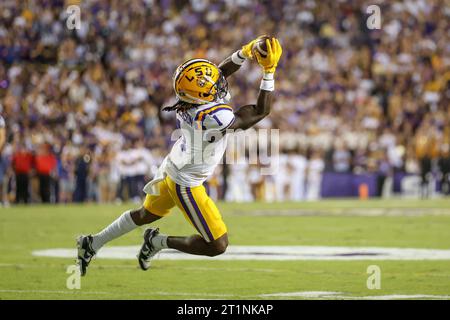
{"x":270,"y":62}
{"x":246,"y":50}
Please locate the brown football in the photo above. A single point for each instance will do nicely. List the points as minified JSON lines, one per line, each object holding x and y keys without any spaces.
{"x":261,"y":46}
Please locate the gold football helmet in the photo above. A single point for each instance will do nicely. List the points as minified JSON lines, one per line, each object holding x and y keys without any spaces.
{"x":199,"y":81}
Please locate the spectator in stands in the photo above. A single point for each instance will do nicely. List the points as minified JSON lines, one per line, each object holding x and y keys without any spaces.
{"x":126,"y":172}
{"x":314,"y":176}
{"x":444,"y":167}
{"x":102,"y":165}
{"x":341,"y":158}
{"x":67,"y":172}
{"x":22,"y":162}
{"x":45,"y":163}
{"x":143,"y":162}
{"x":384,"y":171}
{"x":82,"y":170}
{"x":2,"y":160}
{"x":297,"y":164}
{"x":424,"y":145}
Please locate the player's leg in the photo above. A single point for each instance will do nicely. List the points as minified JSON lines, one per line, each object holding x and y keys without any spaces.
{"x":195,"y":244}
{"x":202,"y":214}
{"x":128,"y":221}
{"x":89,"y":245}
{"x":154,"y":208}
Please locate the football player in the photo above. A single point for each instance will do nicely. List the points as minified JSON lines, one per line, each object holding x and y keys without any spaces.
{"x":202,"y":107}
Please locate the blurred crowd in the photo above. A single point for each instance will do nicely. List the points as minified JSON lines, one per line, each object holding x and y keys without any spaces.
{"x":82,"y":108}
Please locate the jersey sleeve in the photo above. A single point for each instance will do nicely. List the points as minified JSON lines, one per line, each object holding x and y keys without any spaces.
{"x":2,"y":122}
{"x":218,"y":118}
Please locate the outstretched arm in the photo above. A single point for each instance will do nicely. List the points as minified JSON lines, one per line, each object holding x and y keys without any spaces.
{"x":228,"y":67}
{"x":248,"y":115}
{"x":232,"y":64}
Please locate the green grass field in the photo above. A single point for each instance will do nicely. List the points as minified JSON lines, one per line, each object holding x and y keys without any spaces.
{"x":373,"y":223}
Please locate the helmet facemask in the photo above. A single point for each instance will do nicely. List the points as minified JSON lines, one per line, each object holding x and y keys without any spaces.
{"x":221,"y":88}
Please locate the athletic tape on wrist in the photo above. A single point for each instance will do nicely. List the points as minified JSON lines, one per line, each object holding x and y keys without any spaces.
{"x":267,"y":85}
{"x":268,"y":76}
{"x":267,"y":82}
{"x":237,"y":58}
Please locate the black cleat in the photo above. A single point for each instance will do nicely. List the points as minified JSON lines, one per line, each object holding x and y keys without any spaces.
{"x":85,"y":252}
{"x":147,"y":251}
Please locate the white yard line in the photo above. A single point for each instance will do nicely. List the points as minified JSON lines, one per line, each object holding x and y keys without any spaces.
{"x":271,"y":253}
{"x":124,"y":266}
{"x":301,"y":294}
{"x":276,"y":295}
{"x":351,"y":212}
{"x":102,"y":293}
{"x":398,"y":297}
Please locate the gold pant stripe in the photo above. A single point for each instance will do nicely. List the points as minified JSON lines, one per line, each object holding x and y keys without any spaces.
{"x":195,"y":204}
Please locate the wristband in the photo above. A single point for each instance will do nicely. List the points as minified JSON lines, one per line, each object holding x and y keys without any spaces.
{"x":268,"y":76}
{"x":267,"y":82}
{"x":237,"y":58}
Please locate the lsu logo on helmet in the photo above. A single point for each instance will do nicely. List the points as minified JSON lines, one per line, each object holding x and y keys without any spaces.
{"x":199,"y":81}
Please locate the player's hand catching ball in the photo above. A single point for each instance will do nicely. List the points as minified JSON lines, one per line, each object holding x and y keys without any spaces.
{"x":247,"y":50}
{"x":270,"y":62}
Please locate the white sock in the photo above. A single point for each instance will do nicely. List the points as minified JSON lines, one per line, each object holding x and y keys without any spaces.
{"x":119,"y":227}
{"x":160,"y":241}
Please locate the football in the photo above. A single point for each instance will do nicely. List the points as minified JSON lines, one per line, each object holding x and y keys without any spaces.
{"x":261,"y":46}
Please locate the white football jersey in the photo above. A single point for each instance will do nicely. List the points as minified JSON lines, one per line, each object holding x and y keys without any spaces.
{"x":201,"y":145}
